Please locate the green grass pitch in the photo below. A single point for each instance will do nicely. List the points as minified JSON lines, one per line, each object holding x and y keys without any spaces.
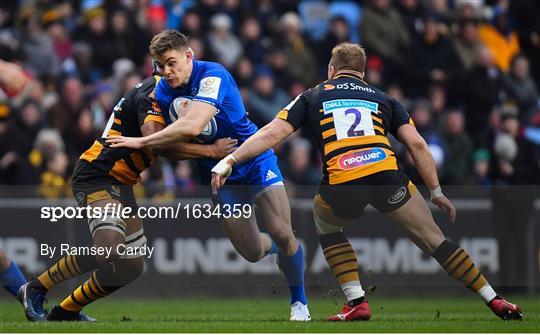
{"x":403,"y":314}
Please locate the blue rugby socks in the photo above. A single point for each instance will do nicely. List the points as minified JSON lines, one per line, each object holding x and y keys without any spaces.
{"x":293,"y":270}
{"x":12,"y":278}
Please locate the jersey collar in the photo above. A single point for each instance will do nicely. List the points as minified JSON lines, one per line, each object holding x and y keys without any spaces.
{"x":349,"y":74}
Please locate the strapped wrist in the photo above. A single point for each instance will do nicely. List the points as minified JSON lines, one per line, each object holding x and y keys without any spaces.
{"x":436,"y":192}
{"x":230,"y":158}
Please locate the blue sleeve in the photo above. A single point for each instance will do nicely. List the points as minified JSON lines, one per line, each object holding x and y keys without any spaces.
{"x":164,"y":95}
{"x":213,"y":87}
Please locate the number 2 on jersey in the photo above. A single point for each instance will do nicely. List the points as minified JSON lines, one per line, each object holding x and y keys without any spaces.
{"x":352,"y":118}
{"x":357,"y":118}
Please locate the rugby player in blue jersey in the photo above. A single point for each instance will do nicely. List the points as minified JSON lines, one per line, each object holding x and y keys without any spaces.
{"x":215,"y":95}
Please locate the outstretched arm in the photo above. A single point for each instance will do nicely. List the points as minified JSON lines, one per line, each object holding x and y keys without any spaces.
{"x":185,"y":150}
{"x":197,"y":116}
{"x":266,"y":138}
{"x":425,"y":166}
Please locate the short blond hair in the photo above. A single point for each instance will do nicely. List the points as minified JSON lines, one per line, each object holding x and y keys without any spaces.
{"x":349,"y":56}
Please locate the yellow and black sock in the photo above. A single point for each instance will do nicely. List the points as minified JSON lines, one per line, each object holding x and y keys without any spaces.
{"x":342,"y":261}
{"x":459,"y":265}
{"x":66,"y":268}
{"x":100,"y":284}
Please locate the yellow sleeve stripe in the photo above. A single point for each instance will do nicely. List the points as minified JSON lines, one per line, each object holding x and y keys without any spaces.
{"x":328,"y":133}
{"x":156,"y":118}
{"x":92,"y":153}
{"x":283,"y":114}
{"x":378,"y":119}
{"x":113,"y":132}
{"x":117,"y":121}
{"x":328,"y":120}
{"x":379,"y":128}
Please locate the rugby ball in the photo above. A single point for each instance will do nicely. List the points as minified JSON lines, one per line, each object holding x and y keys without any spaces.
{"x":209,"y":132}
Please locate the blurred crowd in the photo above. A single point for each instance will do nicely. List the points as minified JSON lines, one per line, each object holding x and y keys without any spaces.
{"x":467,"y":71}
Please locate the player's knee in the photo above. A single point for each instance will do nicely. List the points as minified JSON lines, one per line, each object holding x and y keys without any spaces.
{"x":282,"y":235}
{"x":285,"y":241}
{"x":103,"y":259}
{"x":107,"y":253}
{"x":107,"y":250}
{"x":133,"y":252}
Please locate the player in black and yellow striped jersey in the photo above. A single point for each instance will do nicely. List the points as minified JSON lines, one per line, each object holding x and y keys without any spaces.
{"x":351,"y":120}
{"x":105,"y":176}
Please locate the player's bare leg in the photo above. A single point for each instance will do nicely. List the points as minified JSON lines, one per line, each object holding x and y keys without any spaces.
{"x":273,"y":208}
{"x":275,"y":213}
{"x":342,"y":260}
{"x":246,"y":237}
{"x":416,"y":220}
{"x":112,"y":271}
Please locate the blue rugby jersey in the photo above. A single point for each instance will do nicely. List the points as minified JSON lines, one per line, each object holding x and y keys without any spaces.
{"x":211,"y":83}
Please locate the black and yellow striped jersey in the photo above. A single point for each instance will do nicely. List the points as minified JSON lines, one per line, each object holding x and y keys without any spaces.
{"x":351,"y":121}
{"x":132,"y":111}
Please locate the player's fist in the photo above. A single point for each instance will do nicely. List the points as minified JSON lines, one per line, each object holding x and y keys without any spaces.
{"x":223,"y":147}
{"x":13,"y":79}
{"x":221,"y":171}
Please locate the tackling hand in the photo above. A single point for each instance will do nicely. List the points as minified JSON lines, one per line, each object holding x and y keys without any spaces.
{"x":126,"y":142}
{"x":222,"y":147}
{"x":221,"y":171}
